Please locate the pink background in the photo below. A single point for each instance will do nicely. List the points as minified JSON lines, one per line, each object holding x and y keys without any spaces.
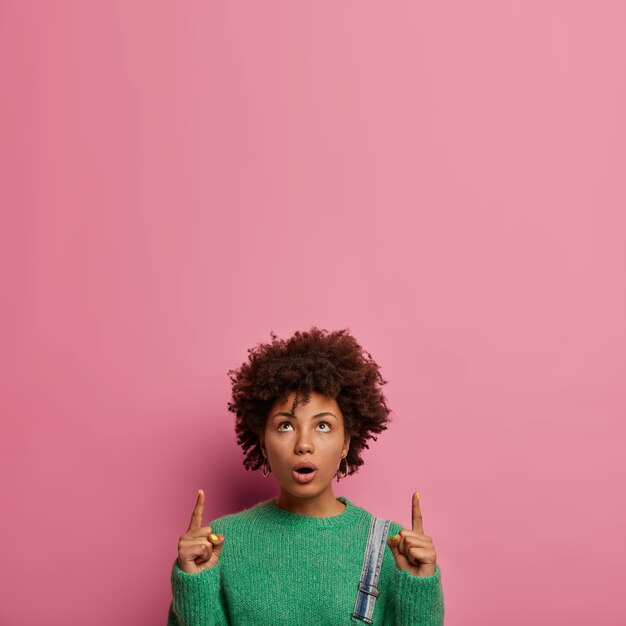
{"x":446,"y":180}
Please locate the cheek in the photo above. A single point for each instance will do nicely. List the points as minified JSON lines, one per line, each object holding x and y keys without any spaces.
{"x":277,"y":445}
{"x":331,"y":445}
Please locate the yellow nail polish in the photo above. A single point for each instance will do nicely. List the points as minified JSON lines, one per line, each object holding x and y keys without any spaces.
{"x":213,"y":537}
{"x":395,"y":538}
{"x":417,"y":495}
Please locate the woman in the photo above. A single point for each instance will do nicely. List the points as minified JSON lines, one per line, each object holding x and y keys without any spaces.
{"x":305,"y":408}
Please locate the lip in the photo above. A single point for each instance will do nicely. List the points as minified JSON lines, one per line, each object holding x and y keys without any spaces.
{"x":305,"y":464}
{"x":304,"y":478}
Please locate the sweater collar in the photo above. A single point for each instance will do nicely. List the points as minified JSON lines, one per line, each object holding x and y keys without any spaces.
{"x":349,"y":515}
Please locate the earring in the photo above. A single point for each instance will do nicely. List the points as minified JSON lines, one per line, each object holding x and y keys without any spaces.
{"x":266,"y":468}
{"x":268,"y":472}
{"x":342,"y":474}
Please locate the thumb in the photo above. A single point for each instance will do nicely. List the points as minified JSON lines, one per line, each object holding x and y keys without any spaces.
{"x":394,"y":545}
{"x":218,"y":543}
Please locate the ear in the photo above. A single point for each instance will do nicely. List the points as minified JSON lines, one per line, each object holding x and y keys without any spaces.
{"x":346,"y":444}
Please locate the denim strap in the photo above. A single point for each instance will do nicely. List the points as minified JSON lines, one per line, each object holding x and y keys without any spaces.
{"x":372,"y":562}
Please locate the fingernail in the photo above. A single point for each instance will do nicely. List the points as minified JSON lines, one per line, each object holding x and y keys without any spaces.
{"x":214,"y":538}
{"x":417,"y":495}
{"x":395,"y":538}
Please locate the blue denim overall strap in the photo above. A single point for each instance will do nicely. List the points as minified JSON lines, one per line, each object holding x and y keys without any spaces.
{"x":372,"y":562}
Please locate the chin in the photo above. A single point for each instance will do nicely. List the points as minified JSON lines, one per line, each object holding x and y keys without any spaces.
{"x":309,"y":490}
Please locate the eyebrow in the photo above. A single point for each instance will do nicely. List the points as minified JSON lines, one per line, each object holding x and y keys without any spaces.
{"x":290,"y":415}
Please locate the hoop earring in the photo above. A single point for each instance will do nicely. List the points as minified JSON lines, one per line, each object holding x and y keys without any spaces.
{"x":269,"y":471}
{"x":344,"y":473}
{"x":265,"y":465}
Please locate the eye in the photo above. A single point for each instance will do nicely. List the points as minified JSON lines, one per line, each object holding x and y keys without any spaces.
{"x":283,"y":424}
{"x":327,"y":429}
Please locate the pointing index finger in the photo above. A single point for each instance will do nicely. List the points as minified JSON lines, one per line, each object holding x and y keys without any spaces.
{"x":198,"y":511}
{"x":416,"y":514}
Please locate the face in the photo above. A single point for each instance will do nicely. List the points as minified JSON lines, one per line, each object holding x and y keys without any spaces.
{"x":316,"y":435}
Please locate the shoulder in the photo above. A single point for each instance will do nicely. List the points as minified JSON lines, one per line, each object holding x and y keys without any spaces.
{"x":235,"y":520}
{"x":393,"y":527}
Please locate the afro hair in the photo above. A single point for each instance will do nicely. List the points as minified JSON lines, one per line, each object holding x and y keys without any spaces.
{"x":329,"y":363}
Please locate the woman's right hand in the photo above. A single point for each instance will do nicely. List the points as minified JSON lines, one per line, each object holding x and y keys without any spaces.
{"x":199,"y":548}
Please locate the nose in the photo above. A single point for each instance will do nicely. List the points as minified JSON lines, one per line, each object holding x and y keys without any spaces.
{"x":304,"y":443}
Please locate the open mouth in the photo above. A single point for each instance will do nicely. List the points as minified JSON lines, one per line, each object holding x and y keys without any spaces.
{"x":304,"y":475}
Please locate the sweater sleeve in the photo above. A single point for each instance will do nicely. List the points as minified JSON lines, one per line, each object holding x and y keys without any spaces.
{"x":419,"y":600}
{"x":197,"y":599}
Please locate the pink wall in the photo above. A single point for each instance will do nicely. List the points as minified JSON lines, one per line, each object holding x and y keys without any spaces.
{"x":444,"y":179}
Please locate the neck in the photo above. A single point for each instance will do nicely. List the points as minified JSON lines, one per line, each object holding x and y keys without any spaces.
{"x":321,"y":505}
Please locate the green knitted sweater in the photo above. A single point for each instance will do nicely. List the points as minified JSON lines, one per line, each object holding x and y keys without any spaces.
{"x":279,"y":568}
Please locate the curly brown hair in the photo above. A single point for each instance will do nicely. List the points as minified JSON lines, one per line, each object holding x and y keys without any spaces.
{"x":330,"y":363}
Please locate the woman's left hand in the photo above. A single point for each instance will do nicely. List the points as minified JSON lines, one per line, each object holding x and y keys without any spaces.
{"x":414,"y":551}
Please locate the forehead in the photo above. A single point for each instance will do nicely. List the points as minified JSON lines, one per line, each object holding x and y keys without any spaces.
{"x":316,"y":404}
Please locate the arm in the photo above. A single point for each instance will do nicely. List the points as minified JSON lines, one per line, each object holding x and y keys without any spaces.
{"x":419,"y":601}
{"x":197,"y":599}
{"x":197,"y":596}
{"x":419,"y":595}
